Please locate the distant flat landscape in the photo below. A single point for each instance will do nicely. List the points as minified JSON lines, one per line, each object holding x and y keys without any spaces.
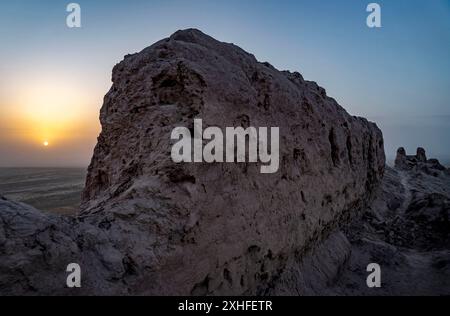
{"x":55,"y":190}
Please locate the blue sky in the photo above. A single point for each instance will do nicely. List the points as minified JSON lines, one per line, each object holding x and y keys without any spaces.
{"x":398,"y":75}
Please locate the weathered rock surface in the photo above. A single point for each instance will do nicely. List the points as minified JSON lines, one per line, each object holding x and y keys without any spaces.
{"x":406,"y":231}
{"x":149,"y":226}
{"x":417,"y":162}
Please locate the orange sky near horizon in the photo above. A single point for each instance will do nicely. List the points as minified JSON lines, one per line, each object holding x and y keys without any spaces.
{"x":53,"y":108}
{"x":53,"y":78}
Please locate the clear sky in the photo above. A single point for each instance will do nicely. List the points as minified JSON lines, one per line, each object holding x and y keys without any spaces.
{"x":53,"y":78}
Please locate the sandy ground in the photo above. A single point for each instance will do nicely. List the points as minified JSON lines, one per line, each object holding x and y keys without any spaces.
{"x":56,"y":190}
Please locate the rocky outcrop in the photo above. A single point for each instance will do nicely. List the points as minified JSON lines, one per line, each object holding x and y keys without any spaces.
{"x":150,"y":226}
{"x":406,"y":231}
{"x":417,"y":162}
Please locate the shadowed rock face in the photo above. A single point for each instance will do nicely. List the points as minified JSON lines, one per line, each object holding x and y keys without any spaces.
{"x":406,"y":230}
{"x":150,"y":226}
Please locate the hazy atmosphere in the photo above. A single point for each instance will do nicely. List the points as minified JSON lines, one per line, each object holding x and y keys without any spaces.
{"x":53,"y":78}
{"x":224,"y":149}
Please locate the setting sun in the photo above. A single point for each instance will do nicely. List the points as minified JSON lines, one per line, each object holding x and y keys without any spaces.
{"x":45,"y":109}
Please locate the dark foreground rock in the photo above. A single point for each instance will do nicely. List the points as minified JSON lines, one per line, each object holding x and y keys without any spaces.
{"x":406,"y":231}
{"x":150,"y":226}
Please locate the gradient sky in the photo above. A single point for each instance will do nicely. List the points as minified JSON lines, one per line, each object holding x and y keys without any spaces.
{"x":53,"y":78}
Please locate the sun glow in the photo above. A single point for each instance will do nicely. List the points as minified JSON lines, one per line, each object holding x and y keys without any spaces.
{"x":51,"y":110}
